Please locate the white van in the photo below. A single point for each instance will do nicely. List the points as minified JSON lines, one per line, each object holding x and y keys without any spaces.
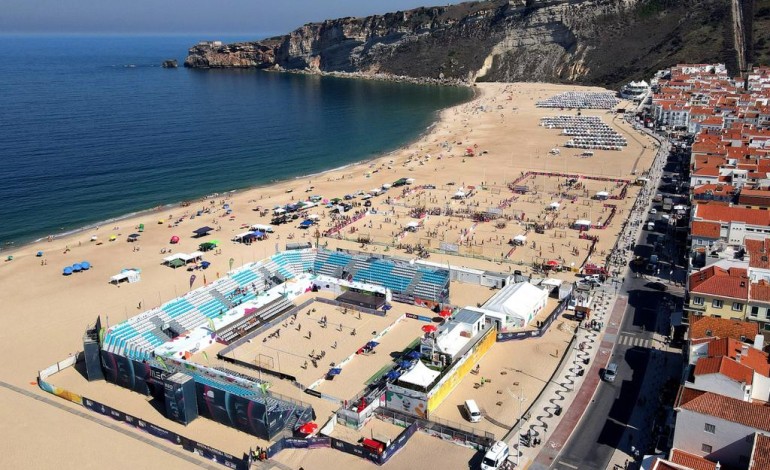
{"x":495,"y":456}
{"x":473,"y":411}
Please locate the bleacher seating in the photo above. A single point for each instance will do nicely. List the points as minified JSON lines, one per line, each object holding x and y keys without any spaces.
{"x":139,"y":336}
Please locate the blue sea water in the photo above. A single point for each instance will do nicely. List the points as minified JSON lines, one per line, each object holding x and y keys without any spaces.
{"x":93,"y":128}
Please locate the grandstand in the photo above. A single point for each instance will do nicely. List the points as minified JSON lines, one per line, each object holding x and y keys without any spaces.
{"x":138,"y":337}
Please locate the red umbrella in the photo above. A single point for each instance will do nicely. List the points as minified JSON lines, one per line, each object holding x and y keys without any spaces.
{"x":429,"y":328}
{"x":174,"y":239}
{"x":308,"y":428}
{"x":445,"y":313}
{"x":552,"y":263}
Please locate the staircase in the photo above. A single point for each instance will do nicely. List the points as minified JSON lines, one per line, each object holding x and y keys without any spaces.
{"x":220,"y":297}
{"x":415,"y":280}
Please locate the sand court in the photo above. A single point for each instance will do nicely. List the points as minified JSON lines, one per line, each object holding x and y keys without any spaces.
{"x":303,"y":347}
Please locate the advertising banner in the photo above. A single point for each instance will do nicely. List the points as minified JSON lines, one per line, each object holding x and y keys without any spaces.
{"x":400,"y":442}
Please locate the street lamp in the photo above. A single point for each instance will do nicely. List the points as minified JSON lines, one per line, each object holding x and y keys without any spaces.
{"x":521,"y":399}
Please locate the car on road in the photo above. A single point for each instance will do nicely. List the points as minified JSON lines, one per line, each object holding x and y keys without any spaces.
{"x":653,"y":211}
{"x":610,"y":372}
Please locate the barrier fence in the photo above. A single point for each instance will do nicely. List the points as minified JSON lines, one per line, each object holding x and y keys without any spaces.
{"x":538,"y":331}
{"x":467,"y":437}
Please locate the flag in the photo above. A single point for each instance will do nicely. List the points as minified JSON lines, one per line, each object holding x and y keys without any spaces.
{"x":162,"y":363}
{"x":263,"y":386}
{"x":206,"y":356}
{"x":232,"y":260}
{"x":192,"y":280}
{"x":211,"y":325}
{"x":205,"y":282}
{"x":101,"y":336}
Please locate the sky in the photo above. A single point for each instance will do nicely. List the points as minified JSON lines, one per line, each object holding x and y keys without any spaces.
{"x":225,"y":17}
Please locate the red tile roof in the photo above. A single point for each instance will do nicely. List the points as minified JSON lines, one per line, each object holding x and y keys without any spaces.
{"x":760,"y":458}
{"x":737,"y":214}
{"x":689,"y":460}
{"x":715,"y":281}
{"x":723,"y":365}
{"x":756,"y":416}
{"x":752,"y":358}
{"x":706,"y":229}
{"x":702,"y":326}
{"x":759,"y":253}
{"x":759,"y":291}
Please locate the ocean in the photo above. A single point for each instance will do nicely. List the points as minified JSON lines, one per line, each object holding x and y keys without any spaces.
{"x":92,"y":128}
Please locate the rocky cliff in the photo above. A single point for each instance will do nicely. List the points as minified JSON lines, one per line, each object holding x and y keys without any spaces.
{"x":581,"y":41}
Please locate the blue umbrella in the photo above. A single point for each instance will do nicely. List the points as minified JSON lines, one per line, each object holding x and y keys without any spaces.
{"x":392,"y":375}
{"x":404,"y":364}
{"x":372,"y":344}
{"x":67,"y":271}
{"x":39,"y":254}
{"x":205,"y":264}
{"x":77,"y":267}
{"x":413,"y":355}
{"x":387,"y":307}
{"x":85,"y":265}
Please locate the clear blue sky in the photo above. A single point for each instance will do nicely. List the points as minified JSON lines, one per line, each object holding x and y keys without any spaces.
{"x":236,"y":17}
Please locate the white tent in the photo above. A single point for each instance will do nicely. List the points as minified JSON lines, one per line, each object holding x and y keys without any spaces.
{"x":554,"y":205}
{"x":459,"y":194}
{"x":313,"y":217}
{"x":127,"y":275}
{"x":520,"y":239}
{"x":519,"y":302}
{"x":603,"y":194}
{"x":240,"y":236}
{"x":583,"y":222}
{"x":171,"y":258}
{"x":419,"y":375}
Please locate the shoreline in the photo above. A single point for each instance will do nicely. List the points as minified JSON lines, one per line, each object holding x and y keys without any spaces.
{"x":435,"y":121}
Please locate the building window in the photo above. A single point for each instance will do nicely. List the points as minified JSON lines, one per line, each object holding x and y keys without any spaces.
{"x":716,"y":303}
{"x":697,"y":300}
{"x":766,"y":326}
{"x":710,"y":428}
{"x":754,"y":311}
{"x":737,"y":306}
{"x":705,"y":448}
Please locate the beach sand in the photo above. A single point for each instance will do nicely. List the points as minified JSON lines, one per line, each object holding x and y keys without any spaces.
{"x":45,"y":313}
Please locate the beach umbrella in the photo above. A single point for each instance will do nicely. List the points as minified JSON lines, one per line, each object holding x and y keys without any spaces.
{"x":308,"y":428}
{"x":77,"y":267}
{"x":67,"y":271}
{"x":39,"y":254}
{"x":372,"y":344}
{"x":113,"y":238}
{"x":174,"y":239}
{"x":552,"y":263}
{"x":429,"y":328}
{"x":387,"y":307}
{"x":413,"y":355}
{"x":205,"y":264}
{"x":404,"y":364}
{"x":85,"y":265}
{"x":445,"y":313}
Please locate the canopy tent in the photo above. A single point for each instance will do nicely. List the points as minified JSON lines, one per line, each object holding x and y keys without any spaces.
{"x":602,"y":195}
{"x":554,"y":205}
{"x":459,"y":194}
{"x":171,"y":258}
{"x":308,"y":428}
{"x":194,"y":256}
{"x":133,"y":237}
{"x":243,"y":235}
{"x":202,"y":232}
{"x":520,"y":303}
{"x":519,"y":240}
{"x":314,"y":216}
{"x":207,"y":246}
{"x":126,"y":275}
{"x":306,"y":224}
{"x":429,"y":328}
{"x":582,"y":223}
{"x":176,"y":263}
{"x":419,"y":375}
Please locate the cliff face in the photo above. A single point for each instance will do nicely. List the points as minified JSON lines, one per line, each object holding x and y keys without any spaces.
{"x":582,"y":41}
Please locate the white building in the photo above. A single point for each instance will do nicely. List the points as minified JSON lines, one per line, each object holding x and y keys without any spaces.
{"x":515,"y":305}
{"x":718,"y":427}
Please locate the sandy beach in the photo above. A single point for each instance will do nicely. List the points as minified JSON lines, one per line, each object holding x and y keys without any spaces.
{"x":46,"y":313}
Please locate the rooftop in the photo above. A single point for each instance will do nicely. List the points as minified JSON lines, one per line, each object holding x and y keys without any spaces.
{"x":702,"y":326}
{"x":756,"y":416}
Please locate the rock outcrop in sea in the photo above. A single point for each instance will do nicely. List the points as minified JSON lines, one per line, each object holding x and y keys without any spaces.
{"x":170,"y":64}
{"x":581,"y":41}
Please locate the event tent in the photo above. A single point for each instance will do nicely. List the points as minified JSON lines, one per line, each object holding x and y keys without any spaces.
{"x":419,"y":375}
{"x":127,"y":275}
{"x":519,"y":240}
{"x":519,"y":302}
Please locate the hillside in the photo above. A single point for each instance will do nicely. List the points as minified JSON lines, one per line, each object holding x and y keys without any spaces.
{"x":604,"y":42}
